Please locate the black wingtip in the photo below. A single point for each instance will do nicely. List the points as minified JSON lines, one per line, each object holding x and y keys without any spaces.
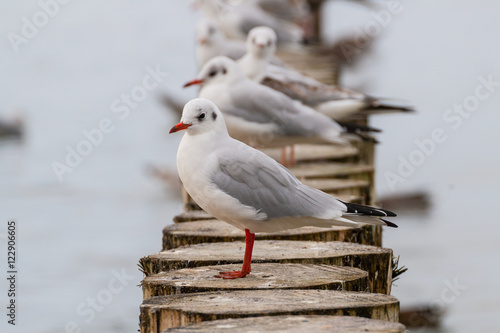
{"x":390,"y":224}
{"x":400,"y":108}
{"x":388,"y":212}
{"x":367,"y":210}
{"x":367,"y":138}
{"x":356,"y":128}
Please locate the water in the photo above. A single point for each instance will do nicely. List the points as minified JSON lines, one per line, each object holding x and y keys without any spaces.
{"x":432,"y":54}
{"x":78,"y":234}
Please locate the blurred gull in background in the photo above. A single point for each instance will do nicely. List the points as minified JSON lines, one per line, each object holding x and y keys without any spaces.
{"x":236,"y":19}
{"x":261,"y":116}
{"x":334,"y":101}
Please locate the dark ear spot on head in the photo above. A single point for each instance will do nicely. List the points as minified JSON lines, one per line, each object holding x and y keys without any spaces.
{"x":214,"y":115}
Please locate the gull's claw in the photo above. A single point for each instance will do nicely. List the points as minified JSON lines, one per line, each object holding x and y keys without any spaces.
{"x":231,"y":275}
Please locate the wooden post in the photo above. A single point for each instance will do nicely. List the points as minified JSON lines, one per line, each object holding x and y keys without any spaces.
{"x":315,"y":6}
{"x":263,"y":277}
{"x":375,"y":260}
{"x":163,"y":312}
{"x":215,"y":231}
{"x":305,"y":324}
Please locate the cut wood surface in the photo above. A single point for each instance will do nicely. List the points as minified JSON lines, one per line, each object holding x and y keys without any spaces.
{"x":336,"y":184}
{"x":264,"y":276}
{"x":305,"y":152}
{"x":375,"y":260}
{"x":296,"y":324}
{"x":193,"y":215}
{"x":163,"y":312}
{"x":328,"y":169}
{"x":214,"y":231}
{"x":311,"y":61}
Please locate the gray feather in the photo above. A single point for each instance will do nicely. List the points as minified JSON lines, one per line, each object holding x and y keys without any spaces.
{"x":271,"y":189}
{"x":257,"y":103}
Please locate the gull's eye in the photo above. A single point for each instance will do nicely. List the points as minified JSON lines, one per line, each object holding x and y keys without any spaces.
{"x":269,"y":43}
{"x":201,"y":116}
{"x":211,"y":30}
{"x":254,"y":40}
{"x":212,"y":73}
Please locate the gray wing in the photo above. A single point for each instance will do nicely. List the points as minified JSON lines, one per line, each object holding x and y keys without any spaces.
{"x":257,"y":103}
{"x":260,"y":182}
{"x":305,"y":89}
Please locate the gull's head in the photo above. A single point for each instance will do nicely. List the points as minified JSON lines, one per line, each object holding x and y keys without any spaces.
{"x":199,"y":116}
{"x":261,"y":42}
{"x":218,"y":70}
{"x":206,"y":32}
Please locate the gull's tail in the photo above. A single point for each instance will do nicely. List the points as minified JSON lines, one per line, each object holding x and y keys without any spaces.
{"x":377,"y":105}
{"x":367,"y":214}
{"x":356,"y":128}
{"x":357,"y":132}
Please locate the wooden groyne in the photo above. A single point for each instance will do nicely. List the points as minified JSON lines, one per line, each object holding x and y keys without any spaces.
{"x":304,"y":280}
{"x":164,"y":312}
{"x":297,"y":323}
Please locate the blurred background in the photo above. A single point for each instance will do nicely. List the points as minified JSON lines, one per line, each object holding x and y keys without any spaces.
{"x":81,"y":234}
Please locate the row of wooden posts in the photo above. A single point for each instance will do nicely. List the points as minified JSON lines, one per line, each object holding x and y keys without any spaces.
{"x":303,"y":280}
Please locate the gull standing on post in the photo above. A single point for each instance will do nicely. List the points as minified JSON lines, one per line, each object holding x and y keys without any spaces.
{"x":210,"y":43}
{"x":334,"y":101}
{"x":247,"y":189}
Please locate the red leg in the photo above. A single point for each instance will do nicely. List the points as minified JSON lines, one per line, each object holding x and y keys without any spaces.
{"x":245,"y":270}
{"x":283,"y":156}
{"x":292,"y":155}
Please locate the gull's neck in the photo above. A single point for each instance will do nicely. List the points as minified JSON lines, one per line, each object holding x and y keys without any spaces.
{"x":196,"y":148}
{"x":218,"y":40}
{"x":253,"y":66}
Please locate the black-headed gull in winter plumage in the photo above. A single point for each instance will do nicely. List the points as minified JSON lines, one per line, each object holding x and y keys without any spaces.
{"x":334,"y":101}
{"x":211,"y":42}
{"x":249,"y":190}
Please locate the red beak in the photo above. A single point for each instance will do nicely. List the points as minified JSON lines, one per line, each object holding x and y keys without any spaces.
{"x":179,"y":127}
{"x":192,"y":83}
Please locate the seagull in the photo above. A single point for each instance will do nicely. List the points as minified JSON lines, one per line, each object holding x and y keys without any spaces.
{"x":249,"y":190}
{"x":236,"y":19}
{"x":210,"y":42}
{"x":334,"y":101}
{"x":259,"y":115}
